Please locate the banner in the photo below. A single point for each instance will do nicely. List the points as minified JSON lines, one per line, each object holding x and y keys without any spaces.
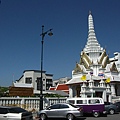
{"x":83,"y":77}
{"x":107,"y":80}
{"x":101,"y":75}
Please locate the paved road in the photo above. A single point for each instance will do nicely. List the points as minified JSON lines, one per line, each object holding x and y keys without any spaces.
{"x":109,"y":117}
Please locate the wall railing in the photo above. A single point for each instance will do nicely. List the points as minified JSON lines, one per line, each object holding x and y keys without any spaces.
{"x":29,"y":103}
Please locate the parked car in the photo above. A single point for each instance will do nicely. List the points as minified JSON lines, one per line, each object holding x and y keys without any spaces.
{"x":110,"y":108}
{"x":14,"y":113}
{"x":118,"y":105}
{"x":61,"y":110}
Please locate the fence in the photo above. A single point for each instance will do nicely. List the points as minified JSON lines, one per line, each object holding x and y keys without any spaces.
{"x":29,"y":103}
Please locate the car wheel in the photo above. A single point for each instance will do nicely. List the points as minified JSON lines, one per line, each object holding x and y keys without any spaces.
{"x":70,"y":116}
{"x":96,"y":114}
{"x":111,"y":111}
{"x":43,"y":116}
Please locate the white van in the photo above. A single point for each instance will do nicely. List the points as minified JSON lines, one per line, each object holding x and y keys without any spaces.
{"x":90,"y":105}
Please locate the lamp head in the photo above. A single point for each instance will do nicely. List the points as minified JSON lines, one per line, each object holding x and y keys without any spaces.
{"x":50,"y":33}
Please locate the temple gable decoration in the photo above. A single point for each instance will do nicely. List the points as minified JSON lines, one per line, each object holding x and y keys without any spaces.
{"x":85,"y":60}
{"x":113,"y":68}
{"x":78,"y":68}
{"x":103,"y":59}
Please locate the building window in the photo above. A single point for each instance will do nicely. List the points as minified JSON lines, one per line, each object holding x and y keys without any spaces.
{"x":38,"y":83}
{"x":118,"y":65}
{"x":48,"y":83}
{"x":28,"y":80}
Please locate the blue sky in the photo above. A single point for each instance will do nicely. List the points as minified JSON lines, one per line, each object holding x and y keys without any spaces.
{"x":20,"y":29}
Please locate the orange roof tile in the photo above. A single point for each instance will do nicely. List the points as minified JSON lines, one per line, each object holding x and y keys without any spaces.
{"x":62,"y":87}
{"x":52,"y":88}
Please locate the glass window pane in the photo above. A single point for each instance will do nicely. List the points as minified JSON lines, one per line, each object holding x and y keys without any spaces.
{"x":3,"y":111}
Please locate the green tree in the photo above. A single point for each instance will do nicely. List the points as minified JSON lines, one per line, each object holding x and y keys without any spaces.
{"x":3,"y":91}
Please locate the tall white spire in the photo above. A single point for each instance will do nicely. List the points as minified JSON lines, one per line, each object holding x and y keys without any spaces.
{"x":92,"y":43}
{"x":92,"y":47}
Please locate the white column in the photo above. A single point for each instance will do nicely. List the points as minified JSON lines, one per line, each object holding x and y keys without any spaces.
{"x":104,"y":96}
{"x":108,"y":88}
{"x":83,"y":90}
{"x":70,"y":92}
{"x":113,"y":89}
{"x":110,"y":98}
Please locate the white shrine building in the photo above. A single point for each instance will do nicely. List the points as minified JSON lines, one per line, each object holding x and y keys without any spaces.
{"x":102,"y":76}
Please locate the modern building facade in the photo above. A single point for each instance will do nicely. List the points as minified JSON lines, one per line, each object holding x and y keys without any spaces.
{"x":31,"y":78}
{"x":101,"y":73}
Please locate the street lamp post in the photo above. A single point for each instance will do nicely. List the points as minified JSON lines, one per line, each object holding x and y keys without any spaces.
{"x":41,"y":80}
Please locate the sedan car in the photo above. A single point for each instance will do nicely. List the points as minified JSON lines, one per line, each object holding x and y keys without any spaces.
{"x":118,"y":105}
{"x":61,"y":110}
{"x":14,"y":113}
{"x":110,"y":108}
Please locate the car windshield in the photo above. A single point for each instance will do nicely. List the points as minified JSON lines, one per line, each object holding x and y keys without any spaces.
{"x":56,"y":106}
{"x":59,"y":106}
{"x":73,"y":105}
{"x":16,"y":110}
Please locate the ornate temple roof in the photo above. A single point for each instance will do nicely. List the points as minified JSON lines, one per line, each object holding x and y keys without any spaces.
{"x":93,"y":58}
